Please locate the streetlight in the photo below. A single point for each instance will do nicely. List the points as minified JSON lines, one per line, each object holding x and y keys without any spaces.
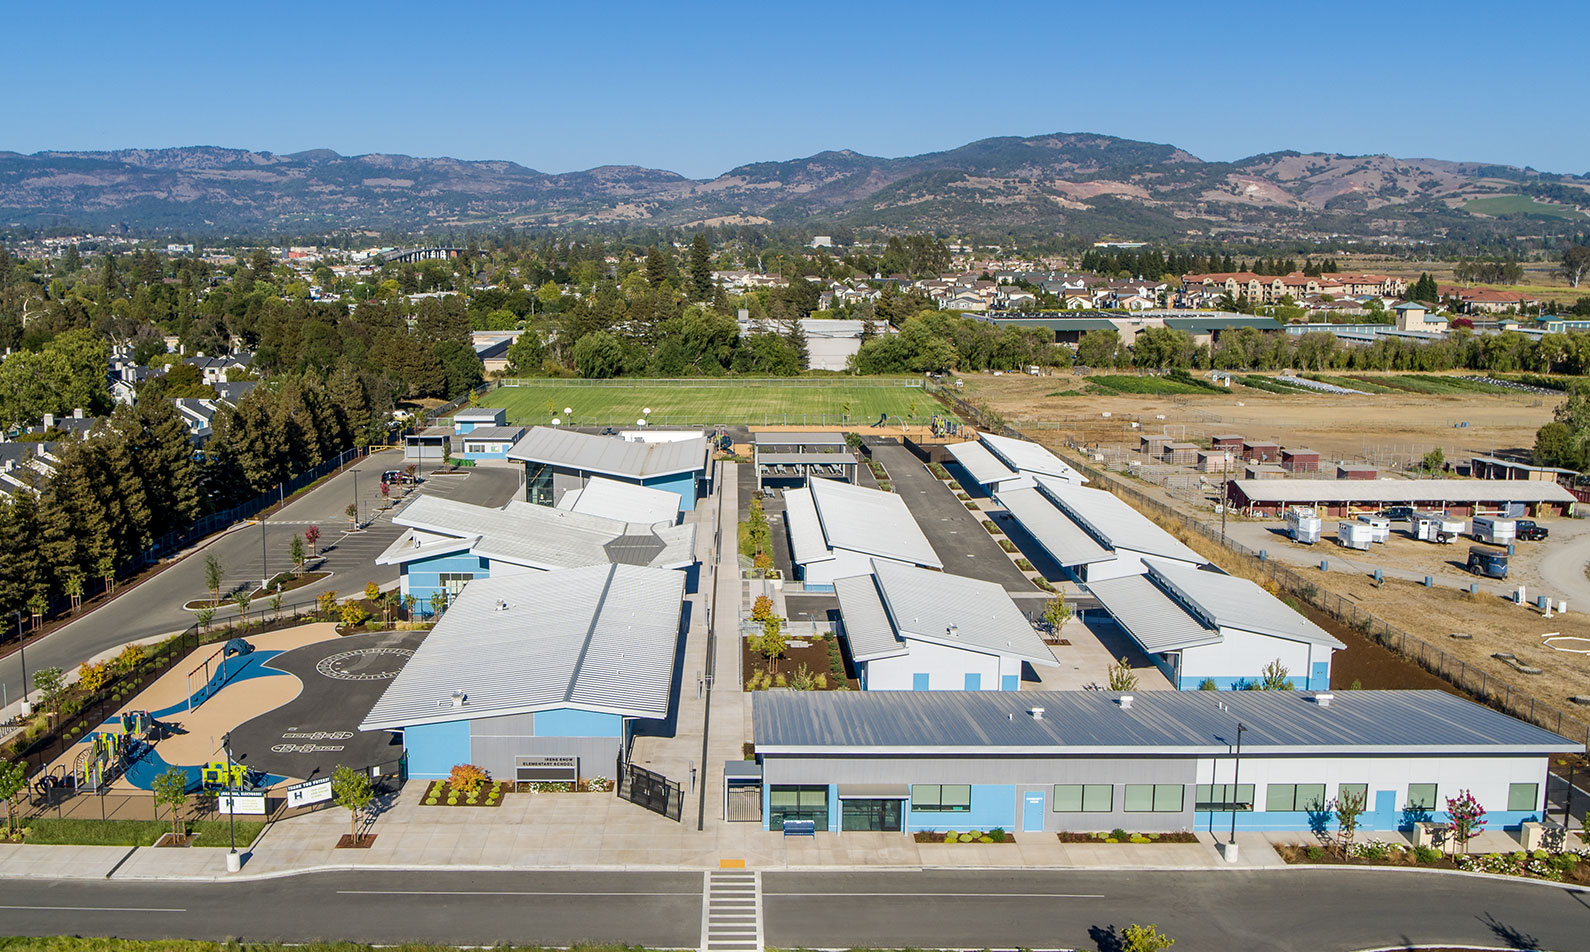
{"x":22,"y":653}
{"x":1236,"y":776}
{"x":233,"y":861}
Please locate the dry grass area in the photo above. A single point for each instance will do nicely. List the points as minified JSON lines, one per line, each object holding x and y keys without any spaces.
{"x":1379,"y":427}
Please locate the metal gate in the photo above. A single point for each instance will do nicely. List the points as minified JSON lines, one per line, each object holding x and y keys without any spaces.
{"x":744,"y":803}
{"x":650,"y":790}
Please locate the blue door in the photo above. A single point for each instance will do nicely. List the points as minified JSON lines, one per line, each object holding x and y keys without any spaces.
{"x":1032,"y":812}
{"x":1320,"y":680}
{"x":974,"y":682}
{"x":1010,"y":682}
{"x":919,"y":682}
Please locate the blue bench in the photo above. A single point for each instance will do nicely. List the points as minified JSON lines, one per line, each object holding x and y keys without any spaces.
{"x":800,"y":828}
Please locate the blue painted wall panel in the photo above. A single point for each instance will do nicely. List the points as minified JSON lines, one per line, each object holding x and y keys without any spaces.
{"x":1375,"y":821}
{"x":569,"y":722}
{"x":1010,"y":682}
{"x":992,"y":805}
{"x":422,"y":577}
{"x":433,"y":749}
{"x":682,"y":483}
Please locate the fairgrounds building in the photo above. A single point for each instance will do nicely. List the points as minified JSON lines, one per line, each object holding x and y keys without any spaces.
{"x":529,"y":676}
{"x":1162,"y":761}
{"x":1345,"y":497}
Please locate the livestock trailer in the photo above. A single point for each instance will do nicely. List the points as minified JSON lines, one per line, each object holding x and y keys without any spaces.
{"x":1303,"y":525}
{"x":1491,"y":563}
{"x":1354,"y":535}
{"x":1379,"y":527}
{"x":1494,"y":530}
{"x":1437,"y":527}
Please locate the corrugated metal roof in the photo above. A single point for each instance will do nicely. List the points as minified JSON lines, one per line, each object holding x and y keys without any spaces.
{"x":807,"y":543}
{"x":1112,"y":521}
{"x":1027,"y":457}
{"x":1152,"y":618}
{"x":1093,"y":722}
{"x":1234,"y":602}
{"x":489,"y":433}
{"x":957,"y":611}
{"x":601,"y":638}
{"x":610,"y":455}
{"x":1066,"y":541}
{"x":627,"y":502}
{"x":870,"y":521}
{"x":1388,"y":491}
{"x":867,"y":625}
{"x":541,"y":537}
{"x":983,"y":466}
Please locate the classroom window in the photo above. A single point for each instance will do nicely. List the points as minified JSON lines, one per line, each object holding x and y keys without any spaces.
{"x":941,"y":797}
{"x":1421,"y":796}
{"x":1360,"y":791}
{"x":1220,"y":797}
{"x":1294,"y":797}
{"x":798,"y":802}
{"x":1153,"y":798}
{"x":454,"y":582}
{"x":1523,"y":796}
{"x":1084,"y":797}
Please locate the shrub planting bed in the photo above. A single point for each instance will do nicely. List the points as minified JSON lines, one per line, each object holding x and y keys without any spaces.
{"x":1568,"y":866}
{"x":995,"y":835}
{"x":1121,"y":836}
{"x":441,"y":794}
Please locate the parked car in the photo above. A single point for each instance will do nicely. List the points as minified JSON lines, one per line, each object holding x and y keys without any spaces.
{"x":1397,"y":513}
{"x":1531,"y":531}
{"x":396,"y":477}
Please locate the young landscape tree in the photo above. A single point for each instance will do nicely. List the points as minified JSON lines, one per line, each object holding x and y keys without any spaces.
{"x":771,"y":643}
{"x":351,"y":790}
{"x":1121,"y":676}
{"x":298,"y":553}
{"x":1275,"y":677}
{"x":171,"y":790}
{"x":214,"y":576}
{"x":1347,"y":807}
{"x":1467,"y":816}
{"x":312,"y":536}
{"x":1057,"y":612}
{"x":1136,"y":938}
{"x":13,"y":780}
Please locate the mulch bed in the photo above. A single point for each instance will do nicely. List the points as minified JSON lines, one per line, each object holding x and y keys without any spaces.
{"x":944,"y":838}
{"x":815,"y":656}
{"x":166,"y":839}
{"x":1298,"y":855}
{"x":438,"y":793}
{"x":1181,"y":837}
{"x":348,"y":841}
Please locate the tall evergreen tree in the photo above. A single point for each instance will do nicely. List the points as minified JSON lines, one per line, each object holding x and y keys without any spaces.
{"x":700,"y":268}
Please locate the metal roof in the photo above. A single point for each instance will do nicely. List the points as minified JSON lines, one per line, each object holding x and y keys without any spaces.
{"x":1153,"y":619}
{"x":789,"y":459}
{"x":470,"y":414}
{"x":1113,"y":522}
{"x":1233,"y":602}
{"x":982,"y":465}
{"x":807,"y":544}
{"x":870,"y":521}
{"x":1066,"y":541}
{"x":1026,"y":457}
{"x":610,"y":455}
{"x":1403,"y":490}
{"x":1199,"y":325}
{"x":600,"y":639}
{"x":488,"y":433}
{"x":956,"y":612}
{"x":773,"y":438}
{"x":1161,"y":722}
{"x":867,"y":626}
{"x":624,"y":502}
{"x":535,"y":536}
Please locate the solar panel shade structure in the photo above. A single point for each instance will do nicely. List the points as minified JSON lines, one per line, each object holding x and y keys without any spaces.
{"x":601,"y":638}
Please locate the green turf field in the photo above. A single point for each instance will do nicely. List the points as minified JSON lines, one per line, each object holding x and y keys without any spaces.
{"x":708,"y":402}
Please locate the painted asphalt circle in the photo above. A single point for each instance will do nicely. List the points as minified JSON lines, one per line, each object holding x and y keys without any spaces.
{"x":318,"y":731}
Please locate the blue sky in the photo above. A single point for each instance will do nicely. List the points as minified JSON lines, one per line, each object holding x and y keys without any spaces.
{"x":700,"y":88}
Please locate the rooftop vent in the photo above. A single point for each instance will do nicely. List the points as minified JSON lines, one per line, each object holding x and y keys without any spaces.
{"x":1037,"y":713}
{"x":502,"y":606}
{"x":460,"y":698}
{"x":1324,"y":699}
{"x":1126,"y":702}
{"x":954,"y":631}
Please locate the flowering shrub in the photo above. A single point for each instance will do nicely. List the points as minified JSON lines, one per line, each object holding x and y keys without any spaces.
{"x":92,"y":677}
{"x":466,"y":777}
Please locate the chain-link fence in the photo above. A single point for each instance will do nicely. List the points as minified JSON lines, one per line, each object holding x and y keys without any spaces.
{"x":1478,"y":684}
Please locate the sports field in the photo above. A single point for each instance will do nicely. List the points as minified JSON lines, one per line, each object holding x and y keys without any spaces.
{"x":708,"y":402}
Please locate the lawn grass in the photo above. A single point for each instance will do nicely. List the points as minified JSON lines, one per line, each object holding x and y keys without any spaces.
{"x":63,"y":832}
{"x":1520,"y":205}
{"x":711,"y":401}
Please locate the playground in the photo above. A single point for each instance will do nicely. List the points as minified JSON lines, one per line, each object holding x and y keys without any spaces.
{"x":269,"y":693}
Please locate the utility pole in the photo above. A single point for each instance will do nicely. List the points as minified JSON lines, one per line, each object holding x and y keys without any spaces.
{"x":1225,"y":496}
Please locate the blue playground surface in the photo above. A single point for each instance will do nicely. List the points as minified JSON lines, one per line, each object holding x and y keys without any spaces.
{"x":142,"y":772}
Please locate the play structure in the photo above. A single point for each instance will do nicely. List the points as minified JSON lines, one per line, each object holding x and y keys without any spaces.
{"x":208,"y":685}
{"x":720,"y":439}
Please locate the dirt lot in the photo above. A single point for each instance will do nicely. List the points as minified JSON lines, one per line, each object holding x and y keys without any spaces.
{"x":1386,"y":429}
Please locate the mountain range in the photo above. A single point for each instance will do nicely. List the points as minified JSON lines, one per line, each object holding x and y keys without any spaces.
{"x":1072,"y":183}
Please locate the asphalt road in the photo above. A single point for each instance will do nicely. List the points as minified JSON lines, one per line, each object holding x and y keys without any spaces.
{"x":1312,"y":910}
{"x":247,"y":552}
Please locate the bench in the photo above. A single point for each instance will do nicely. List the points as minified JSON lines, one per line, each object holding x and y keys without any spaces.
{"x":800,"y":828}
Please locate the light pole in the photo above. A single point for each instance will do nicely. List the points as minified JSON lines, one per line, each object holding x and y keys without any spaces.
{"x":1236,"y":776}
{"x":233,"y":862}
{"x":264,"y":558}
{"x":22,"y":654}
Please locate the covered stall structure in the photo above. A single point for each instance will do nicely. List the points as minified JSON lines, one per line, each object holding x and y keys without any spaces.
{"x":801,"y":457}
{"x":1337,"y":498}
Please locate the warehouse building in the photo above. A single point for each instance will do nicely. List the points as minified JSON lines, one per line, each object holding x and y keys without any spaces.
{"x":557,"y":461}
{"x":1000,"y":463}
{"x":447,"y":544}
{"x":540,"y":677}
{"x":837,"y":530}
{"x":1203,"y":626}
{"x":1159,"y":762}
{"x":1092,"y":534}
{"x":1461,"y":497}
{"x":914,"y":629}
